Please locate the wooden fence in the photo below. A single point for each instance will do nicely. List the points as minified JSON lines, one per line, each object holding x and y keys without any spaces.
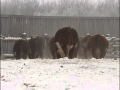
{"x":14,"y":26}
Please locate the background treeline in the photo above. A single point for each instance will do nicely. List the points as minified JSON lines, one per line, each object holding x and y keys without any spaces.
{"x":108,"y":8}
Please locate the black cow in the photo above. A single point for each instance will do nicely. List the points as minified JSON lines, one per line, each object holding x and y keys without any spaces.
{"x":21,"y":49}
{"x":36,"y":47}
{"x":98,"y":46}
{"x":39,"y":47}
{"x":66,"y":40}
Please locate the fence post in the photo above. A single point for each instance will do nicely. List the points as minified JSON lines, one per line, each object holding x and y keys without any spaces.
{"x":1,"y":48}
{"x":24,"y":35}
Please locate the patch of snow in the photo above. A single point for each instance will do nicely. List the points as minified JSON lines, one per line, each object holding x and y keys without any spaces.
{"x":60,"y":74}
{"x":13,"y":38}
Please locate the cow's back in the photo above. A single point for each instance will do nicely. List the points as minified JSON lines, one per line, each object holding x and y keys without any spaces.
{"x":66,"y":35}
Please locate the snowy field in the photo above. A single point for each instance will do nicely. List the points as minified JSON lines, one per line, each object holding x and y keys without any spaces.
{"x":60,"y":74}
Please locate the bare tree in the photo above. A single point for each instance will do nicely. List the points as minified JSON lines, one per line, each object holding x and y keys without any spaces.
{"x":19,"y":7}
{"x":82,"y":8}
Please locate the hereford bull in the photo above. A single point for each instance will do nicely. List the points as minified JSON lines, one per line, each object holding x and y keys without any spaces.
{"x":21,"y":49}
{"x":66,"y":41}
{"x":98,"y":46}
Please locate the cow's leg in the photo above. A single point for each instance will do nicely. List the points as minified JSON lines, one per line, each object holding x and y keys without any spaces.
{"x":85,"y":53}
{"x":31,"y":55}
{"x":34,"y":55}
{"x":81,"y":54}
{"x":94,"y":55}
{"x":85,"y":49}
{"x":69,"y":47}
{"x":21,"y":55}
{"x":103,"y":53}
{"x":58,"y":55}
{"x":89,"y":54}
{"x":60,"y":50}
{"x":76,"y":50}
{"x":37,"y":54}
{"x":24,"y":56}
{"x":71,"y":53}
{"x":97,"y":51}
{"x":14,"y":54}
{"x":17,"y":55}
{"x":41,"y":53}
{"x":53,"y":53}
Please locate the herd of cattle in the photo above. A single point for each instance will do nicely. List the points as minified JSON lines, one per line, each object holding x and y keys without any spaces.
{"x":65,"y":43}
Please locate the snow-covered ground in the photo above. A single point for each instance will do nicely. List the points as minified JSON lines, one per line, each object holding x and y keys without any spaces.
{"x":60,"y":74}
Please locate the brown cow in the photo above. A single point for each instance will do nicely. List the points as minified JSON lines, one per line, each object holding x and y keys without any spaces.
{"x":21,"y":49}
{"x":39,"y":47}
{"x":36,"y":47}
{"x":84,"y":51}
{"x":66,"y":40}
{"x":98,"y":46}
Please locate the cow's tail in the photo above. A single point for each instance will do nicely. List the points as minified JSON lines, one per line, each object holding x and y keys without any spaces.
{"x":60,"y":50}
